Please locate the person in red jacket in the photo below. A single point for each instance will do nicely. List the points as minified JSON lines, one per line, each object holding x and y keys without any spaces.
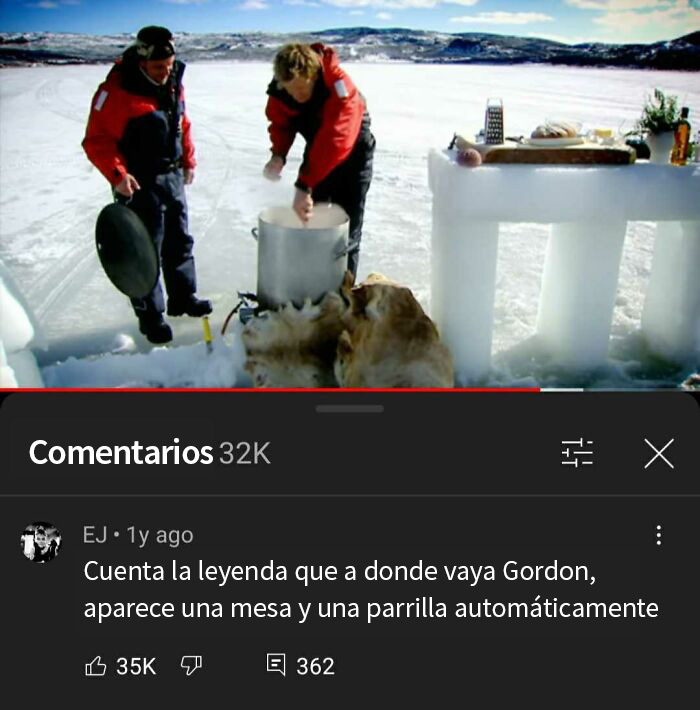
{"x":139,"y":137}
{"x":310,"y":94}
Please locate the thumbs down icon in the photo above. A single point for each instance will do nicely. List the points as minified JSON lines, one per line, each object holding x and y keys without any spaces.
{"x":191,"y":664}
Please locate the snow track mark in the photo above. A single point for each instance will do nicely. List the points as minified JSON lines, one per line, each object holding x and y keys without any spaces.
{"x":51,"y":98}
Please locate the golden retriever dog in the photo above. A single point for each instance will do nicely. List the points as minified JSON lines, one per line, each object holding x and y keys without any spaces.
{"x":388,"y":340}
{"x":375,"y":335}
{"x":295,"y":348}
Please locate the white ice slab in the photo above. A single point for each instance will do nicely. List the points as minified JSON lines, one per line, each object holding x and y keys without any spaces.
{"x":18,"y":366}
{"x":25,"y":368}
{"x":16,"y":329}
{"x":579,"y":284}
{"x":7,"y":374}
{"x":589,"y":207}
{"x":671,"y":317}
{"x":566,"y":193}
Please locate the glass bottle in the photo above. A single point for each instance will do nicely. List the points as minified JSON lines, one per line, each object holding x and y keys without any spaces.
{"x":679,"y":155}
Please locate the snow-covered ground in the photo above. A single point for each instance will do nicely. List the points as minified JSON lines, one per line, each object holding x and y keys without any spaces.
{"x":50,"y":196}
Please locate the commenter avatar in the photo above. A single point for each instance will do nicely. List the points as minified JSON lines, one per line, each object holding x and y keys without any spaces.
{"x":40,"y":542}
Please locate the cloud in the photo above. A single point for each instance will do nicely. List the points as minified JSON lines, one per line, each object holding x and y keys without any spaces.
{"x":383,"y":16}
{"x":662,"y":23}
{"x":390,"y":4}
{"x":185,"y":2}
{"x":612,"y":5}
{"x":504,"y":18}
{"x":51,"y":4}
{"x":398,"y":4}
{"x":301,"y":3}
{"x":642,"y":20}
{"x":254,"y":5}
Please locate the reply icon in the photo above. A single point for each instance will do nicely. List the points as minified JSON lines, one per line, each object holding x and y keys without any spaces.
{"x":276,"y":663}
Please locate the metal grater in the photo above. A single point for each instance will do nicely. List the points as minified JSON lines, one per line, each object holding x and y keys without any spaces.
{"x":493,"y":126}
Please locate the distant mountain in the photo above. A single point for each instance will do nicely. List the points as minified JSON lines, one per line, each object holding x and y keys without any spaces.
{"x":363,"y":44}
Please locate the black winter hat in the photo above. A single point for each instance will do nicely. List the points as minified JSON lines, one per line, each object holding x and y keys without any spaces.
{"x":154,"y":42}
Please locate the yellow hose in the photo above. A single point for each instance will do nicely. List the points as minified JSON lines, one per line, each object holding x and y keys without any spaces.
{"x":207,"y":333}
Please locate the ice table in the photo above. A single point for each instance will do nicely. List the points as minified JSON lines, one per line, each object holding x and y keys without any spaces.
{"x":588,"y":208}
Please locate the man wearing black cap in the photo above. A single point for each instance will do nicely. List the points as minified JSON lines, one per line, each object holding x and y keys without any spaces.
{"x":138,"y":136}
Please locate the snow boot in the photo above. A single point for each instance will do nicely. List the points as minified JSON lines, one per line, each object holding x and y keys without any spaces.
{"x":192,"y":306}
{"x":156,"y":330}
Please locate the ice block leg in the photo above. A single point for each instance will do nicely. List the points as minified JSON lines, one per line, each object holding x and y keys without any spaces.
{"x":463,"y":284}
{"x":581,"y":269}
{"x":671,"y":316}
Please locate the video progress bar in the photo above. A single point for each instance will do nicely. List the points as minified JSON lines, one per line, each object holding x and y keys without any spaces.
{"x":341,"y":496}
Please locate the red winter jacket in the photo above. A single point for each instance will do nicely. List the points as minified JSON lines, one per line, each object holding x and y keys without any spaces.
{"x":129,"y":131}
{"x":332,"y":130}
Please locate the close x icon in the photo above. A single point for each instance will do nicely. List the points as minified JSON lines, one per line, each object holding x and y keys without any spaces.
{"x":659,"y":455}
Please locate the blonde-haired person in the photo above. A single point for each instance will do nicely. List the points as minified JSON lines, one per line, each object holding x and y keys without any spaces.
{"x":310,"y":94}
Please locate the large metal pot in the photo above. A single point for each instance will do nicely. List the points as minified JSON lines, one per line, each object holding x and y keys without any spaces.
{"x":297,"y":261}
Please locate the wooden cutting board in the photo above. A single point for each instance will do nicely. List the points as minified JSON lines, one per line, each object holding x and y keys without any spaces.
{"x":583,"y":154}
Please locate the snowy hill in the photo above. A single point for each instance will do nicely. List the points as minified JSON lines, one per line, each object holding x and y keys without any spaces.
{"x":365,"y":44}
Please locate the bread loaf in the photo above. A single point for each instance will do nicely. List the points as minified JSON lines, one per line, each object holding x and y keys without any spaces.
{"x":554,"y":129}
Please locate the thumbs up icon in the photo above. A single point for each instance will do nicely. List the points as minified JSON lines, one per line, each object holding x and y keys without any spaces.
{"x":95,"y":669}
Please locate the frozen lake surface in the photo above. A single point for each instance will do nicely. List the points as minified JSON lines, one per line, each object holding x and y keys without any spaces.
{"x":50,"y":196}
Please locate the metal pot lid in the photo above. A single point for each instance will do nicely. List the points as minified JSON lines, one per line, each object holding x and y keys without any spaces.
{"x":126,"y":251}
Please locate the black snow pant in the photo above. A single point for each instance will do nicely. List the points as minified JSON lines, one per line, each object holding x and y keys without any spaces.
{"x":347,"y":186}
{"x":161,"y":205}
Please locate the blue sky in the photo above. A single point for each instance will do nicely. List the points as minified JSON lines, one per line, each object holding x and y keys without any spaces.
{"x":565,"y":20}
